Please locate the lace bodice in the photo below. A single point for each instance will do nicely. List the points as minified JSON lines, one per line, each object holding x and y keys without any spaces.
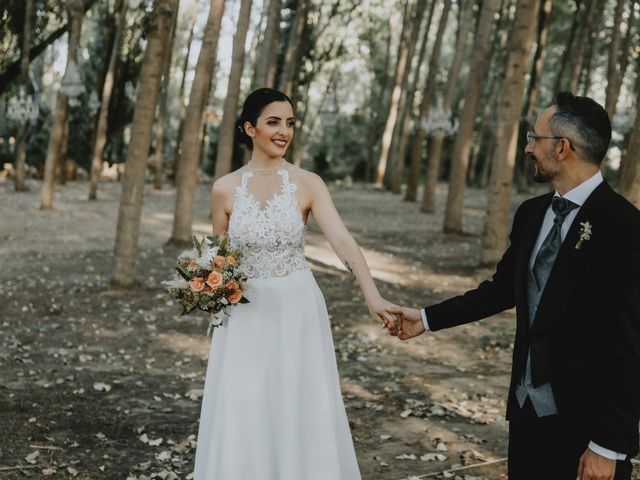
{"x":271,"y":238}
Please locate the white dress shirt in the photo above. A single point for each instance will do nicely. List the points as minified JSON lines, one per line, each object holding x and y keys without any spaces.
{"x":577,"y":195}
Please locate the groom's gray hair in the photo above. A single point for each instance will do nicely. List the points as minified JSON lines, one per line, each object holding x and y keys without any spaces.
{"x":585,"y":123}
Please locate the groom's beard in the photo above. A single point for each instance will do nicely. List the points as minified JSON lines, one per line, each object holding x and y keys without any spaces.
{"x":542,"y":170}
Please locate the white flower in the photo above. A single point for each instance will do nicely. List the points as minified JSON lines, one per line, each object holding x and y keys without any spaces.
{"x":208,"y":252}
{"x":176,"y":282}
{"x":188,"y":254}
{"x":585,"y":234}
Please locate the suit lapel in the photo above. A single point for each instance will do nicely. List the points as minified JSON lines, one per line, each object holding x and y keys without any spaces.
{"x":529,"y":237}
{"x":571,"y":263}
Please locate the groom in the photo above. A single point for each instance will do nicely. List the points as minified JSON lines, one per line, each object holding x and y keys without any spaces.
{"x":572,"y":271}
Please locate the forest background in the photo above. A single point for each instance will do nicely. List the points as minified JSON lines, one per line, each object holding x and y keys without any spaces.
{"x":122,"y":113}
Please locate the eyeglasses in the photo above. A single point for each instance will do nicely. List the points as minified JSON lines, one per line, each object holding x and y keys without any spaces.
{"x":532,"y":137}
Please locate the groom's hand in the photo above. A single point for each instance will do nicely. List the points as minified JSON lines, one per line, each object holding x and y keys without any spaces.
{"x":595,"y":467}
{"x":409,"y":322}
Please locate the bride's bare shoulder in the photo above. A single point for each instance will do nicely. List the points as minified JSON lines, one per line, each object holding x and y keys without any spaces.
{"x":305,"y":178}
{"x":227,"y":184}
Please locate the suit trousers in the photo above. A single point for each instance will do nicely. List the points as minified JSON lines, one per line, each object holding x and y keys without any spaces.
{"x":547,"y":448}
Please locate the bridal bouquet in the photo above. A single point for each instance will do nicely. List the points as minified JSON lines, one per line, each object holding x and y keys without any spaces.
{"x":208,"y":278}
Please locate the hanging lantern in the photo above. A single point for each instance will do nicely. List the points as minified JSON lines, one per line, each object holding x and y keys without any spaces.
{"x":439,"y":122}
{"x":71,"y":85}
{"x":329,"y":110}
{"x":23,"y":107}
{"x":94,"y":102}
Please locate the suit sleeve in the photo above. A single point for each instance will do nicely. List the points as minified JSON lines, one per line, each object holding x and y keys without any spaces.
{"x":616,"y":425}
{"x":490,"y":297}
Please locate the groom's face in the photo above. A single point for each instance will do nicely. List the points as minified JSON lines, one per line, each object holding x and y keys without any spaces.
{"x":542,"y":152}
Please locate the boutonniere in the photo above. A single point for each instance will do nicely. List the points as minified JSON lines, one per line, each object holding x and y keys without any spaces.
{"x":585,"y":234}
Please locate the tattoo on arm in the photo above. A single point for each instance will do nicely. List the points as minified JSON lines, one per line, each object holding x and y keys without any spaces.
{"x":348,"y":265}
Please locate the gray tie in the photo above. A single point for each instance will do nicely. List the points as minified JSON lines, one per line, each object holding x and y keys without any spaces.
{"x":551,"y":246}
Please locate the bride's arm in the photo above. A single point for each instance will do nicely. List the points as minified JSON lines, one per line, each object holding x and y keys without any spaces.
{"x":328,"y":219}
{"x":219,"y":216}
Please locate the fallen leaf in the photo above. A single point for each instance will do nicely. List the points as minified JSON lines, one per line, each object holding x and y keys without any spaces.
{"x":101,"y":387}
{"x":31,"y":458}
{"x":404,"y":456}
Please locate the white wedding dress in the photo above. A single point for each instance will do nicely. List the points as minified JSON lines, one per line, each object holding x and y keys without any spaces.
{"x":272,"y":407}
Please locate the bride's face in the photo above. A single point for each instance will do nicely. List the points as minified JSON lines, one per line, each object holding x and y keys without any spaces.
{"x":273,"y":131}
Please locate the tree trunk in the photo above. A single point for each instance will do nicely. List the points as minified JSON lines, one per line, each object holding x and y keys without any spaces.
{"x":462,"y":146}
{"x":267,"y":51}
{"x":107,"y":88}
{"x":568,"y":51}
{"x":294,"y":51}
{"x":401,"y":71}
{"x":61,"y":169}
{"x":126,"y":246}
{"x":377,"y":106}
{"x":618,"y":58}
{"x":24,"y":81}
{"x":158,"y":157}
{"x":578,"y":53}
{"x":75,"y":12}
{"x":437,"y":140}
{"x":226,"y":137}
{"x":414,"y":168}
{"x":178,"y":149}
{"x":630,"y":182}
{"x":395,"y":166}
{"x":509,"y":108}
{"x":187,"y":168}
{"x":531,"y":99}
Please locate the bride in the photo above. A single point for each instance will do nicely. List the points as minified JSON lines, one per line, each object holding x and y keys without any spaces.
{"x":272,"y":407}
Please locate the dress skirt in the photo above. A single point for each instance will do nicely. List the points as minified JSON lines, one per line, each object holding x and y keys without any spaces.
{"x":272,"y":408}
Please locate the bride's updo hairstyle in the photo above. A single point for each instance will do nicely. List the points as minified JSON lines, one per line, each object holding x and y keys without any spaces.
{"x":253,"y":106}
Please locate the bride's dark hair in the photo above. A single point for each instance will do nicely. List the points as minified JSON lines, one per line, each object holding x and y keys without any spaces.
{"x":253,"y":106}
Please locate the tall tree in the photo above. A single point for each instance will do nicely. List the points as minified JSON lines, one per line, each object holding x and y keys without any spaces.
{"x":401,"y":71}
{"x":437,"y":140}
{"x":127,"y":232}
{"x":472,"y":95}
{"x":630,"y":181}
{"x":531,"y":97}
{"x":188,"y":164}
{"x":295,"y":50}
{"x":268,"y":49}
{"x":20,"y":163}
{"x":508,"y":113}
{"x":568,"y":50}
{"x":158,"y":156}
{"x":618,"y":56}
{"x":578,"y":53}
{"x":226,"y":138}
{"x":414,"y":169}
{"x":395,"y":165}
{"x":75,"y":9}
{"x":107,"y":89}
{"x":185,"y":66}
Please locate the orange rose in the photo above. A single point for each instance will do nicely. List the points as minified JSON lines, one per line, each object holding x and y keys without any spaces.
{"x":214,"y":279}
{"x":197,"y":284}
{"x":192,"y":265}
{"x":231,"y":260}
{"x":218,"y":261}
{"x":207,"y":289}
{"x":235,"y":296}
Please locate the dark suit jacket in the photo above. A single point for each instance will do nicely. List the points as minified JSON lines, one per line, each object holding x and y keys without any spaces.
{"x":585,"y":338}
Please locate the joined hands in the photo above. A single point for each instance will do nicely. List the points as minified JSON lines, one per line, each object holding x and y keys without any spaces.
{"x":408,"y":322}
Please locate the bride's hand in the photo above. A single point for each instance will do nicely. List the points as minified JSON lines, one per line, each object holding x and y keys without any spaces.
{"x":378,"y":310}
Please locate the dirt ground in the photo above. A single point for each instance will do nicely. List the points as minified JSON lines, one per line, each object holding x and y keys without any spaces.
{"x":106,"y":384}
